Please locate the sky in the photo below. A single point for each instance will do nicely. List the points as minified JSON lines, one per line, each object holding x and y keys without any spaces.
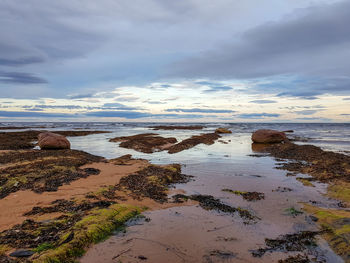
{"x":175,"y":61}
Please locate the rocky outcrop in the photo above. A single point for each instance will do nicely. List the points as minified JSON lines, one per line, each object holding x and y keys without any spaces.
{"x":222,"y":130}
{"x":268,"y":136}
{"x":49,"y":140}
{"x":146,"y":142}
{"x":207,"y":138}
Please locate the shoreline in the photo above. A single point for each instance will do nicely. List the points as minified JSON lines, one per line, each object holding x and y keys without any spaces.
{"x":103,"y":189}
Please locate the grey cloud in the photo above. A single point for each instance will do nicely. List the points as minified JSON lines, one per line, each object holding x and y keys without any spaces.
{"x":301,"y":95}
{"x":257,"y":115}
{"x":303,"y":107}
{"x":207,"y":83}
{"x":128,"y":99}
{"x":171,"y":99}
{"x":106,"y":106}
{"x":20,"y":78}
{"x":200,"y":110}
{"x":20,"y":61}
{"x":306,"y":112}
{"x":181,"y":116}
{"x":119,"y":106}
{"x":314,"y":43}
{"x":217,"y":89}
{"x":114,"y":104}
{"x":263,"y":101}
{"x":51,"y":22}
{"x":34,"y":109}
{"x":120,"y":114}
{"x":154,"y":102}
{"x":70,"y":107}
{"x":81,"y":96}
{"x":314,"y":119}
{"x":139,"y":115}
{"x":29,"y":114}
{"x":100,"y":46}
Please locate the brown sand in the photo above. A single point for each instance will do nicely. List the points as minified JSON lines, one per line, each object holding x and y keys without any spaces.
{"x":16,"y":204}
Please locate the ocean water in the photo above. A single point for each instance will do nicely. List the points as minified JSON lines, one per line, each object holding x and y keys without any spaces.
{"x":328,"y":136}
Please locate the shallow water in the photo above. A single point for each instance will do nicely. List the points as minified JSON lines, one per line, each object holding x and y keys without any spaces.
{"x":191,"y":234}
{"x":329,"y":136}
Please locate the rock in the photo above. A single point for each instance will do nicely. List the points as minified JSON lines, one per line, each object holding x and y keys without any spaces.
{"x":22,"y":253}
{"x":49,"y":140}
{"x":222,"y":130}
{"x":313,"y":218}
{"x":268,"y":136}
{"x":145,"y":142}
{"x":207,"y":138}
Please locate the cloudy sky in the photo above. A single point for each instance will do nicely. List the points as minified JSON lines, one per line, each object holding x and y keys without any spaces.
{"x":165,"y":60}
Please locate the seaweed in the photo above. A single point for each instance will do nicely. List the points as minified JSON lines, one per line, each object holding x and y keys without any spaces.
{"x":249,"y":196}
{"x":293,"y":212}
{"x":337,"y":222}
{"x":291,"y":242}
{"x":66,"y":206}
{"x":340,"y":190}
{"x":209,"y":202}
{"x":306,"y":181}
{"x":146,"y":142}
{"x":322,"y":165}
{"x":43,"y":171}
{"x":207,"y":138}
{"x":295,"y":259}
{"x":94,"y":227}
{"x":153,"y":181}
{"x":66,"y":237}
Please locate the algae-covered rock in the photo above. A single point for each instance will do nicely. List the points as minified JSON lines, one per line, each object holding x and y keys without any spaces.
{"x":337,"y":222}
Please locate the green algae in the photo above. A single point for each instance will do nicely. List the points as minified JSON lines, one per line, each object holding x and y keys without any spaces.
{"x":42,"y":247}
{"x":305,"y":181}
{"x":249,"y":196}
{"x":337,"y":221}
{"x":93,"y":228}
{"x":4,"y":249}
{"x":340,"y":190}
{"x":293,"y":212}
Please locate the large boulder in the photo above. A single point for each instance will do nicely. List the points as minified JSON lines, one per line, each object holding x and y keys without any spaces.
{"x":49,"y":140}
{"x":222,"y":130}
{"x":268,"y":136}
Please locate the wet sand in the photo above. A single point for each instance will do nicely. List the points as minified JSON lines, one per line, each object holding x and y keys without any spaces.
{"x":18,"y":203}
{"x":192,"y":234}
{"x":188,"y":234}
